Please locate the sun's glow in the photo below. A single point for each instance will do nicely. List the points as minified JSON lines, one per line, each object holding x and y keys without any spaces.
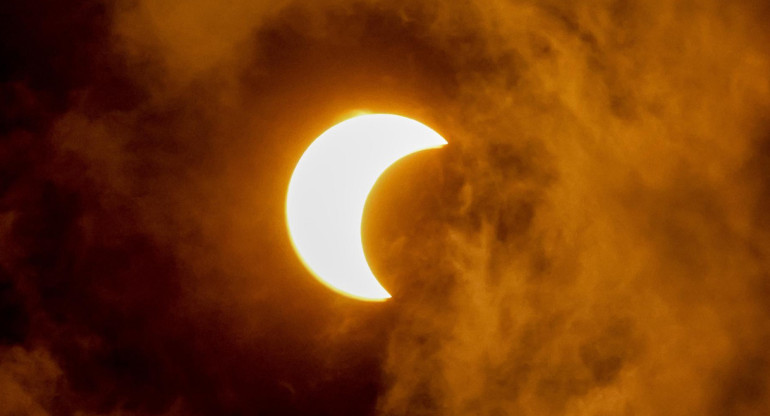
{"x":328,"y":191}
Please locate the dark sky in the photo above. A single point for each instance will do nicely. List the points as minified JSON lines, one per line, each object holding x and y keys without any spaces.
{"x":594,"y":240}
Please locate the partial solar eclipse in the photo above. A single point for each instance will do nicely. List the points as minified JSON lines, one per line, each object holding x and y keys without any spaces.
{"x":328,"y":191}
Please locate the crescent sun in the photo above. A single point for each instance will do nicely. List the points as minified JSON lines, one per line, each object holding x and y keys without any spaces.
{"x":328,"y":191}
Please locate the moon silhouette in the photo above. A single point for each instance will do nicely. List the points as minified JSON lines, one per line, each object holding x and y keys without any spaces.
{"x":328,"y":191}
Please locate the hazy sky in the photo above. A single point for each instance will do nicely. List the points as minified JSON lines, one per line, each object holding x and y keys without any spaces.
{"x":594,"y":240}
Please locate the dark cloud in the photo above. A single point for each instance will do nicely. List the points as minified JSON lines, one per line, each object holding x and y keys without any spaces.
{"x":594,"y":240}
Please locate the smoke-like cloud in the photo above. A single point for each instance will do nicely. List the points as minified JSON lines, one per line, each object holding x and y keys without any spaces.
{"x":594,"y":240}
{"x":608,"y":254}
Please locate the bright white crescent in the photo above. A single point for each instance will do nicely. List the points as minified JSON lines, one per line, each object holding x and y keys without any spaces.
{"x":328,"y":191}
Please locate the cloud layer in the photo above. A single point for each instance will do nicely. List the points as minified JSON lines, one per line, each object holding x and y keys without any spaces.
{"x":594,"y":240}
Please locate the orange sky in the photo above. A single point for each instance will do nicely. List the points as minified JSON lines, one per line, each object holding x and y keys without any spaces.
{"x":595,"y":239}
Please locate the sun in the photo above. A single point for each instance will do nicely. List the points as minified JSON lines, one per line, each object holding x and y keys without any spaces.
{"x":328,"y":191}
